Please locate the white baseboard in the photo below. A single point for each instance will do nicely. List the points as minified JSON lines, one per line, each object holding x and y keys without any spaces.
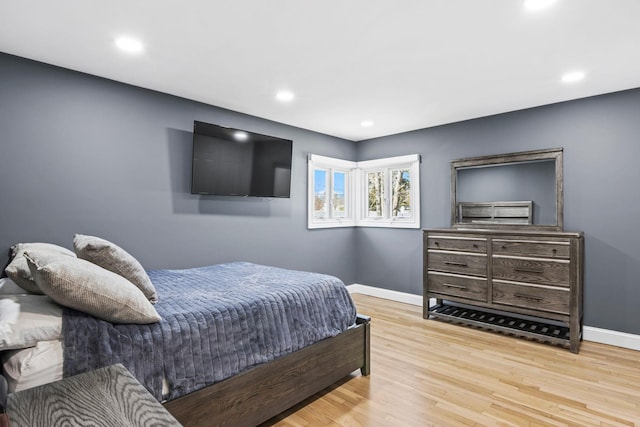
{"x":590,"y":333}
{"x":607,"y":336}
{"x":385,"y":294}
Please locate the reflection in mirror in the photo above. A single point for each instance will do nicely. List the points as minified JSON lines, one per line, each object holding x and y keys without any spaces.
{"x":519,"y":189}
{"x":532,"y":181}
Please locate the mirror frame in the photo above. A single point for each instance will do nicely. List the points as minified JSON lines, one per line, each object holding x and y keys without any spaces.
{"x":500,"y":159}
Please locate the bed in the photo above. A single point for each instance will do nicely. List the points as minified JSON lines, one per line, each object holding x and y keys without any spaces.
{"x":252,"y":380}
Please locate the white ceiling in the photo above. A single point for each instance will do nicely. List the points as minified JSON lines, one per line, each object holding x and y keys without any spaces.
{"x":405,"y":64}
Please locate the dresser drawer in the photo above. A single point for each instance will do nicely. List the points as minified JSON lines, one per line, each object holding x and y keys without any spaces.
{"x":544,"y":298}
{"x":458,"y":243}
{"x":531,"y":270}
{"x":474,"y":288}
{"x":532,"y":248}
{"x":457,"y":262}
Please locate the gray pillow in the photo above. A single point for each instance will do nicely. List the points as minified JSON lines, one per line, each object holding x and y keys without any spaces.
{"x":82,"y":285}
{"x":18,"y":270}
{"x":113,"y":258}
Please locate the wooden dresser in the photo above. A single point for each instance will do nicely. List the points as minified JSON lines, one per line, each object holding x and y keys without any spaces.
{"x":523,"y":283}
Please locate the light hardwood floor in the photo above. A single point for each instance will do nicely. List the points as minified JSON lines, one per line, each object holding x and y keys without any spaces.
{"x":430,"y":373}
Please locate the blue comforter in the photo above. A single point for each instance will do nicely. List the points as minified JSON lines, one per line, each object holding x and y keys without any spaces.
{"x":217,"y":321}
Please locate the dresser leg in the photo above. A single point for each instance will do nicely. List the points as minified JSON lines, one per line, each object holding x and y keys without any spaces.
{"x":574,"y":346}
{"x":575,"y":336}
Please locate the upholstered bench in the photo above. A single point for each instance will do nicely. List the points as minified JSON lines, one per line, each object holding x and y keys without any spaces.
{"x":109,"y":396}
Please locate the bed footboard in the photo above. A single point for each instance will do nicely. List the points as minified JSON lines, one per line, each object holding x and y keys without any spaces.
{"x":264,"y":391}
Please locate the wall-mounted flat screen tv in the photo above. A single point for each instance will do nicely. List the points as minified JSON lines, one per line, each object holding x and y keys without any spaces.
{"x":234,"y":162}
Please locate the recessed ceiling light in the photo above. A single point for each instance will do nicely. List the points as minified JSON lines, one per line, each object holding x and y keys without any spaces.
{"x":538,"y":4}
{"x":285,"y":96}
{"x":129,"y":44}
{"x":240,"y":135}
{"x":366,"y":123}
{"x":573,"y":76}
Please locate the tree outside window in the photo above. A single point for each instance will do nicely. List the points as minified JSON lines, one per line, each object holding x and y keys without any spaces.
{"x":375,"y":193}
{"x":401,"y":193}
{"x":320,"y":193}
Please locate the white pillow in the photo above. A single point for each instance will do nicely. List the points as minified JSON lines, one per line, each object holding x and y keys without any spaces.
{"x":40,"y":319}
{"x":9,"y":287}
{"x":30,"y":367}
{"x":9,"y":312}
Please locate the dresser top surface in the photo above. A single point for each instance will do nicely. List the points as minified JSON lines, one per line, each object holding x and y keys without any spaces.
{"x":498,"y":232}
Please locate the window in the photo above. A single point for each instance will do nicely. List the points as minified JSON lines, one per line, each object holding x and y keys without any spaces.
{"x":330,"y":192}
{"x":392,"y":188}
{"x":374,"y":193}
{"x":401,"y":193}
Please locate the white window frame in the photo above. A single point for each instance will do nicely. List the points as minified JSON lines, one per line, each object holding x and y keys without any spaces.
{"x":356,"y":190}
{"x":331,"y":165}
{"x":387,"y":165}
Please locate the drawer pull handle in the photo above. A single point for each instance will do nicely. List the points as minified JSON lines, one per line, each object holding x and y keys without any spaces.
{"x":459,"y":264}
{"x":529,"y":297}
{"x":449,"y":285}
{"x":529,"y":270}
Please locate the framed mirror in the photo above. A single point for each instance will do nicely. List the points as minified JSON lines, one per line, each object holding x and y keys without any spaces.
{"x":516,"y":190}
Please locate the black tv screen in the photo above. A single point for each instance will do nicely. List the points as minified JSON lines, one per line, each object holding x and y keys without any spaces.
{"x":234,"y":162}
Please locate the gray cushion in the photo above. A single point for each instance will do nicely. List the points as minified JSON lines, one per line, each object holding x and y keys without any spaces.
{"x":112,"y":257}
{"x":82,"y":285}
{"x":18,"y":270}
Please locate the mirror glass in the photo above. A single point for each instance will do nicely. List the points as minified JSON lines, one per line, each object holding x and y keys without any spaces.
{"x":509,"y":190}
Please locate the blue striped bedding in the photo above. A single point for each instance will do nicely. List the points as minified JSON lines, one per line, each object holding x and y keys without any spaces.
{"x":217,"y":321}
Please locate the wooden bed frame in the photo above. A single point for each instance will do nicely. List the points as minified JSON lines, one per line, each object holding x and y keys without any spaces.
{"x":256,"y":395}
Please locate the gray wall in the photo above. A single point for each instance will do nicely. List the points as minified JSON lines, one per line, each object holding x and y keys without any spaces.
{"x":81,"y":154}
{"x":601,"y":197}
